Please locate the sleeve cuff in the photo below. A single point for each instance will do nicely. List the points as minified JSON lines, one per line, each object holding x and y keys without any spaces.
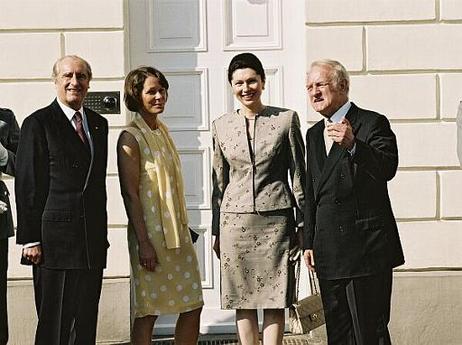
{"x":32,"y":244}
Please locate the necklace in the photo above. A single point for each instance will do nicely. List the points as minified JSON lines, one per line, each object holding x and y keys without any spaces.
{"x":251,"y":115}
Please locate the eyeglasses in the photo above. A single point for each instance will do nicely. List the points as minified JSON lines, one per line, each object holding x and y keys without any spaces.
{"x":319,"y":85}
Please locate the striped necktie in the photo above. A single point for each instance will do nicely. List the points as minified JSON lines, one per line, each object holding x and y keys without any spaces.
{"x":77,"y":118}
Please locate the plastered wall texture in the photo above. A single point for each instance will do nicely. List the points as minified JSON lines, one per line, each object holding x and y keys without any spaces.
{"x":404,"y":60}
{"x":33,"y":34}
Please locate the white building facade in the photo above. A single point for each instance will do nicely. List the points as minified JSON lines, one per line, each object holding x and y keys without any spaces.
{"x":404,"y":60}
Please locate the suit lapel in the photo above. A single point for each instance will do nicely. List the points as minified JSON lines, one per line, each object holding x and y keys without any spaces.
{"x":352,"y":116}
{"x":335,"y":154}
{"x":336,"y":151}
{"x":316,"y":152}
{"x":94,"y":128}
{"x":242,"y":143}
{"x":70,"y":134}
{"x":319,"y":147}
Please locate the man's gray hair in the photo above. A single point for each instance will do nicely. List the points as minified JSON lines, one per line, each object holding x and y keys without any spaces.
{"x":339,"y":71}
{"x":55,"y":72}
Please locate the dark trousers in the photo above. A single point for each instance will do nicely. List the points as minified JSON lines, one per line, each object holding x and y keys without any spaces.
{"x":357,"y":310}
{"x":3,"y":283}
{"x":67,"y":305}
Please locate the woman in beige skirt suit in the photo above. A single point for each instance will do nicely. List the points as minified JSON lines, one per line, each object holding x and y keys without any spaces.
{"x":258,"y":150}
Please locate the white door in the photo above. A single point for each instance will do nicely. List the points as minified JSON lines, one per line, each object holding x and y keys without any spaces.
{"x":192,"y":42}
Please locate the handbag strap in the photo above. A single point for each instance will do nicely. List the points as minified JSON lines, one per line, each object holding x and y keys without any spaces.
{"x":297,"y":277}
{"x":313,"y":285}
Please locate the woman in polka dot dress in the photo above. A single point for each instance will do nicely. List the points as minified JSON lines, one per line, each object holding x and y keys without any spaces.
{"x":165,"y":276}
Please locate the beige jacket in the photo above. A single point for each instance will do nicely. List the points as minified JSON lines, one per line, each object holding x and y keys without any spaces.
{"x":245,"y":185}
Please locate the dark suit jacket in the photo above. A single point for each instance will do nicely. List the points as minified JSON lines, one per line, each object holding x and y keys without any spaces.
{"x":349,"y":221}
{"x":56,"y":204}
{"x":9,"y":137}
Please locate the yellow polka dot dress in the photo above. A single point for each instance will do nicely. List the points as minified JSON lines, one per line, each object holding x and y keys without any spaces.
{"x":175,"y":286}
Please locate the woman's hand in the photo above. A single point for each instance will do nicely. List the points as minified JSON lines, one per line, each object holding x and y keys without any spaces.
{"x":147,"y":255}
{"x":309,"y":259}
{"x":216,"y":247}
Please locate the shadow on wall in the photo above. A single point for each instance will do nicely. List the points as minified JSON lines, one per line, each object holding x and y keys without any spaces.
{"x":459,"y":133}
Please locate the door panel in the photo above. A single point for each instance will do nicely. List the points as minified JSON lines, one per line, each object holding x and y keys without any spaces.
{"x":192,"y":42}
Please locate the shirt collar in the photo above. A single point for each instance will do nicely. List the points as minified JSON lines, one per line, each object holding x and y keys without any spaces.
{"x":69,"y":112}
{"x":340,"y":113}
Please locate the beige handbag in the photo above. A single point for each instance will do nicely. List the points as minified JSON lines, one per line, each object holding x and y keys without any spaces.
{"x":306,"y":314}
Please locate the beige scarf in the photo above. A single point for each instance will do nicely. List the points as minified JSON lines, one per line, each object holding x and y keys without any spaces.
{"x":174,"y":216}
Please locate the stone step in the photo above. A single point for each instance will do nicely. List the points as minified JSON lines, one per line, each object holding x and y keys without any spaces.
{"x":317,"y":337}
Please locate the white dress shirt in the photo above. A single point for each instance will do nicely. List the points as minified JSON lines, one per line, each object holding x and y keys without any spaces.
{"x":69,"y":112}
{"x":338,"y":116}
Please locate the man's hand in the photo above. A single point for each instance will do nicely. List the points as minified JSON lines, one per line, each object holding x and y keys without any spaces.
{"x":33,"y":254}
{"x":309,"y":259}
{"x":342,"y":133}
{"x":216,"y":247}
{"x":147,"y":255}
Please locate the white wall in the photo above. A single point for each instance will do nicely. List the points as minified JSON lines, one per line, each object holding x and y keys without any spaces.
{"x":33,"y":34}
{"x":404,"y":57}
{"x":404,"y":60}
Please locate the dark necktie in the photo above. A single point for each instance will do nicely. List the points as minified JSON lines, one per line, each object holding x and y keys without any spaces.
{"x":77,"y":118}
{"x":327,"y":140}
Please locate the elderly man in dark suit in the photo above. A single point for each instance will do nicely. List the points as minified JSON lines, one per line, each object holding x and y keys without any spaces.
{"x":9,"y":136}
{"x":61,"y":207}
{"x":351,"y":238}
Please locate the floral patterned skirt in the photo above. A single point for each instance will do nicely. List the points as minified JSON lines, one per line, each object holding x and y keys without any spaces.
{"x":255,"y":269}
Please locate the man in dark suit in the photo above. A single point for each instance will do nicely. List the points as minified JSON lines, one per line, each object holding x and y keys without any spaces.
{"x":61,"y":207}
{"x":351,"y":238}
{"x":9,"y":137}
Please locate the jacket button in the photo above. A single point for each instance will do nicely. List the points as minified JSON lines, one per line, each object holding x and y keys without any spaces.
{"x":75,"y":164}
{"x":342,"y":176}
{"x":340,"y":228}
{"x":337,"y":202}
